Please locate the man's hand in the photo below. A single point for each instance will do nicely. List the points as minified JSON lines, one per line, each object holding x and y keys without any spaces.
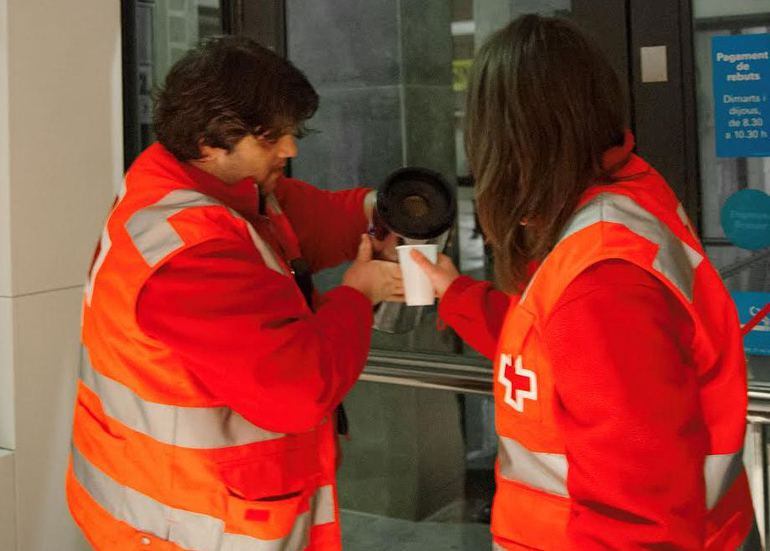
{"x":441,"y":274}
{"x":378,"y":279}
{"x":386,"y":249}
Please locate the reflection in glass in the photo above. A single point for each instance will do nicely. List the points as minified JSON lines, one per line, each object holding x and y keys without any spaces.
{"x":720,"y":176}
{"x":165,"y":30}
{"x":418,"y":469}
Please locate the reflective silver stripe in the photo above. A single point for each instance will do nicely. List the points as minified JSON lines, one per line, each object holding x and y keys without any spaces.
{"x":105,"y":244}
{"x":370,"y":203}
{"x":544,"y":471}
{"x":548,"y":471}
{"x":264,"y":249}
{"x":150,"y":229}
{"x":104,"y":247}
{"x":720,"y":471}
{"x":187,"y":529}
{"x":322,"y":505}
{"x":685,"y":219}
{"x":497,"y":547}
{"x":272,"y":204}
{"x":155,"y":237}
{"x":189,"y":427}
{"x":675,"y":260}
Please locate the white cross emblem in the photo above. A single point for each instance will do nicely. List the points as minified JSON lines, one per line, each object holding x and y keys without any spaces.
{"x":519,"y":385}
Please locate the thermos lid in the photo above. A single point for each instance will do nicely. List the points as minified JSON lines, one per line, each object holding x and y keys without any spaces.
{"x":416,"y":203}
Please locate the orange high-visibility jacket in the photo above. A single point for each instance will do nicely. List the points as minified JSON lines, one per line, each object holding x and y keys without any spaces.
{"x":638,"y":220}
{"x":157,"y":462}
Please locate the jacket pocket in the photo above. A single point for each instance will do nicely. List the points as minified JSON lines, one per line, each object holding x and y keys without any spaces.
{"x":270,"y":519}
{"x":267,"y":493}
{"x":293,"y":468}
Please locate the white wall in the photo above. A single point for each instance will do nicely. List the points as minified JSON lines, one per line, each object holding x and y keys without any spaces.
{"x":60,"y":160}
{"x":7,"y":504}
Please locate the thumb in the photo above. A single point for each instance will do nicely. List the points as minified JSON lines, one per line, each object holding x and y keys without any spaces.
{"x":426,"y":265}
{"x":364,"y":249}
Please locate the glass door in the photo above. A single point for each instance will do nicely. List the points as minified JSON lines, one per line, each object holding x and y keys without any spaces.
{"x":731,"y":50}
{"x":155,"y":34}
{"x":417,"y":472}
{"x":734,"y":147}
{"x":392,"y":75}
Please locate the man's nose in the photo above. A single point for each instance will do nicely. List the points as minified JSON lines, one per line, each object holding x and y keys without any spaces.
{"x":287,"y":146}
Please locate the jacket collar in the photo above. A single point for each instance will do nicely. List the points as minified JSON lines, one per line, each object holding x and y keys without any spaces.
{"x":243,"y":196}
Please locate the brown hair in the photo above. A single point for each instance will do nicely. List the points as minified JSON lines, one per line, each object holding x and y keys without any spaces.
{"x":225,"y":89}
{"x":543,"y":106}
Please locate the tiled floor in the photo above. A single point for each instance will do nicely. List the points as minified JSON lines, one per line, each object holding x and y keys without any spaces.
{"x":365,"y":532}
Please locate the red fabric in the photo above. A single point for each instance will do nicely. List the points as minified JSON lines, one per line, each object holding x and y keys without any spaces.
{"x":628,"y":403}
{"x":328,"y":225}
{"x":627,"y":390}
{"x":476,"y":311}
{"x":616,"y":157}
{"x":245,"y":329}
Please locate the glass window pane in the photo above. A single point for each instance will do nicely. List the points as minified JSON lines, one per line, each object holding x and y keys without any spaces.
{"x":723,"y":176}
{"x":419,"y":468}
{"x":394,"y":96}
{"x":392,"y":77}
{"x":165,"y":30}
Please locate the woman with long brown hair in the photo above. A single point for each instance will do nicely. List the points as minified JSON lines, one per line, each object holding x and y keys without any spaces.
{"x":619,"y":375}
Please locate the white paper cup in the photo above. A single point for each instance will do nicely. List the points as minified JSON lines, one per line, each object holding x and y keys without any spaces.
{"x":418,"y":290}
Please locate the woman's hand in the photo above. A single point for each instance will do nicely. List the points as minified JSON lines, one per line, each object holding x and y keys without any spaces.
{"x":441,"y":274}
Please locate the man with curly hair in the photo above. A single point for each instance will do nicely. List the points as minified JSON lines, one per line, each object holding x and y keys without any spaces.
{"x":211,"y":369}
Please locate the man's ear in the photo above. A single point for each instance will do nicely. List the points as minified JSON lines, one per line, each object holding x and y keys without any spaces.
{"x":208,"y":153}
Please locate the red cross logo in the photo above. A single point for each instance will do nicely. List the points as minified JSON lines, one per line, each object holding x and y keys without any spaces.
{"x":520,"y":384}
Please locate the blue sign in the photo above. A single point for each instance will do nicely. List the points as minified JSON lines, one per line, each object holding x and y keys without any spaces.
{"x":757,"y":341}
{"x":741,"y":71}
{"x":745,"y":219}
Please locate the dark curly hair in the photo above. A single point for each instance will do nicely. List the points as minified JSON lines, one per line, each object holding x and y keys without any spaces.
{"x":225,"y":89}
